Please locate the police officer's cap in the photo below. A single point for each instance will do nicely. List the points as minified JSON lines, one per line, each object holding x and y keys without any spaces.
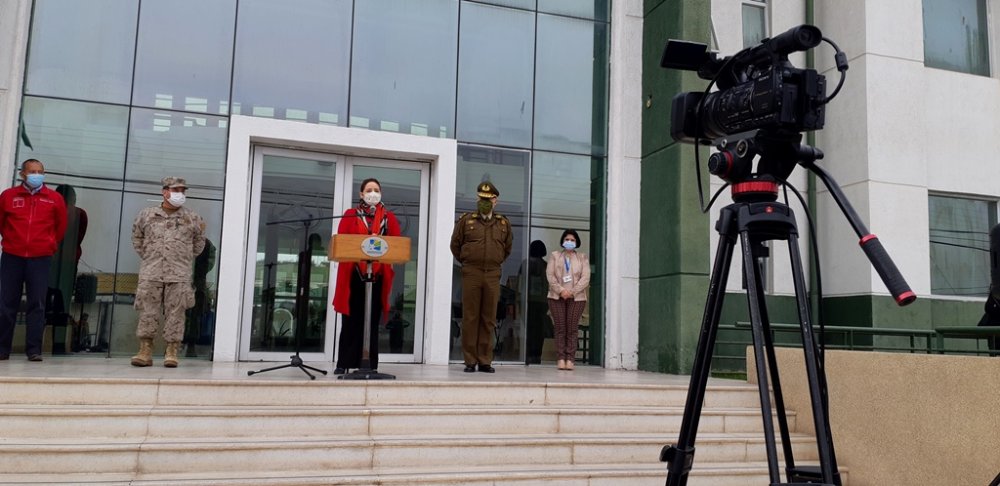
{"x":487,"y":190}
{"x":173,"y":182}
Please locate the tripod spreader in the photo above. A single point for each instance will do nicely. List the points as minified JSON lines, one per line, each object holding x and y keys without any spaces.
{"x":870,"y":244}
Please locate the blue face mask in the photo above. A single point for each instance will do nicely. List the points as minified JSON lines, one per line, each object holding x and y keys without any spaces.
{"x":569,"y":245}
{"x":34,"y":181}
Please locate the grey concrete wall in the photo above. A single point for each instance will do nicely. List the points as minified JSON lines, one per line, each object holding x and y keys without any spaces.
{"x":904,"y":418}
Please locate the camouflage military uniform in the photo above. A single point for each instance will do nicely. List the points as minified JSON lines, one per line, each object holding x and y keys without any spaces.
{"x":167,"y":244}
{"x":481,"y":245}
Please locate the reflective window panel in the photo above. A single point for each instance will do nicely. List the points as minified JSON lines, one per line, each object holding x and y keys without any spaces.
{"x":82,"y":50}
{"x":497,"y":43}
{"x":956,"y":36}
{"x":401,"y":194}
{"x":199,"y":326}
{"x":959,"y":245}
{"x":184,"y":55}
{"x":588,"y":9}
{"x":508,"y":170}
{"x":292,"y":60}
{"x":560,"y":200}
{"x":293,"y":237}
{"x":169,"y":143}
{"x":83,"y":270}
{"x":403,"y":68}
{"x":82,"y":144}
{"x":571,"y":85}
{"x":754,"y":23}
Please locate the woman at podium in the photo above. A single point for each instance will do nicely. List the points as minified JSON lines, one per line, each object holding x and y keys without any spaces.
{"x":370,"y":217}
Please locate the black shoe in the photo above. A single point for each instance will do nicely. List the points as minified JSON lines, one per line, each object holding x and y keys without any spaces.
{"x":470,"y":369}
{"x":339,"y":371}
{"x":487,"y":369}
{"x":4,"y":357}
{"x":35,"y":357}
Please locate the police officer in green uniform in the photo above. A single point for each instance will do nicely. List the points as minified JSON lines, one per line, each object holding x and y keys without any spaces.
{"x":481,"y":242}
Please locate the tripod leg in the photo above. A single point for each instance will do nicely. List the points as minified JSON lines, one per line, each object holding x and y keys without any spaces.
{"x":754,"y":299}
{"x":772,"y":362}
{"x":251,"y":373}
{"x":815,"y":374}
{"x":680,"y":456}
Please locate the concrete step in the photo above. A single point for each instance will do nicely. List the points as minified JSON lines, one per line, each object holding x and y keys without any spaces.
{"x":220,"y":393}
{"x":229,"y":455}
{"x":256,"y":432}
{"x":713,"y":474}
{"x":95,"y":422}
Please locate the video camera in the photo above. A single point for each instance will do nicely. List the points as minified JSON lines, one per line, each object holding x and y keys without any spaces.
{"x":759,"y":89}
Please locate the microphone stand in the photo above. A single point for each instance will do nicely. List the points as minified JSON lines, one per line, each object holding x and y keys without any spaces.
{"x":365,"y":372}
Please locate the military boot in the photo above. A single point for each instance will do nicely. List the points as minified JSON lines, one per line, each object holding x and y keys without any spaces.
{"x":170,"y":356}
{"x":145,"y":356}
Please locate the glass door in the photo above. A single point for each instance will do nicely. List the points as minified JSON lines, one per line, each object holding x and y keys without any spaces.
{"x":289,"y":289}
{"x":297,"y":200}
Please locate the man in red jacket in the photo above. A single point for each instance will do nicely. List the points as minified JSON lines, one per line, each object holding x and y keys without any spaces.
{"x":32,"y":223}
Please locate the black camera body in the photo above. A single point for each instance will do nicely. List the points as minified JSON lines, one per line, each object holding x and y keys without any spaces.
{"x":759,"y":89}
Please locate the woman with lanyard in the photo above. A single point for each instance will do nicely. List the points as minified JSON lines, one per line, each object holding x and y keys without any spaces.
{"x":568,"y":272}
{"x":370,"y":217}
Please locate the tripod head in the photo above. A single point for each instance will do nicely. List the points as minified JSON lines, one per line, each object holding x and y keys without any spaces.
{"x":779,"y":153}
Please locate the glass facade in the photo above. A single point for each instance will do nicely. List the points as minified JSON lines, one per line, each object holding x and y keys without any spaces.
{"x":520,"y":84}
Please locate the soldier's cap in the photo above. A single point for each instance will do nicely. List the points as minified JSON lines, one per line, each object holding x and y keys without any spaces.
{"x":487,"y":190}
{"x":172,"y":182}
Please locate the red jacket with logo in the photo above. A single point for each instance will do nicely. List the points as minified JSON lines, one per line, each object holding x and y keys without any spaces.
{"x":31,"y":225}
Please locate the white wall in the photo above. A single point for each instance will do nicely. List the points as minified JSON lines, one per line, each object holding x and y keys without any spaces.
{"x":897,"y":131}
{"x":14,"y":23}
{"x":624,"y":175}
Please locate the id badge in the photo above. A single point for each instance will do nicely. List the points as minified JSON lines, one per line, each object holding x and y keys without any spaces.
{"x":567,"y":279}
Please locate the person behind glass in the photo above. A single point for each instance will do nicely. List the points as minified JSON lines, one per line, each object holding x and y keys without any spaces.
{"x":32,"y":224}
{"x":370,"y":217}
{"x":568,"y":272}
{"x":538,"y":292}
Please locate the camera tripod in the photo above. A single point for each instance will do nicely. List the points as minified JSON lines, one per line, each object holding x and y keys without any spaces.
{"x":754,"y":222}
{"x":755,"y":218}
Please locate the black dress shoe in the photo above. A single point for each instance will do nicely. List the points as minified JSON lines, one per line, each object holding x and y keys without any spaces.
{"x":339,"y":371}
{"x":470,"y":369}
{"x":4,"y":357}
{"x":487,"y":369}
{"x":35,"y":357}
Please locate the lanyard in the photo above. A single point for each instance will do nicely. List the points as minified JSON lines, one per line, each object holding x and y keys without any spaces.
{"x":566,"y":260}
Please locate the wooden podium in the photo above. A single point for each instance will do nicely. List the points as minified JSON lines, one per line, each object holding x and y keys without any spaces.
{"x":370,"y":249}
{"x":359,"y":248}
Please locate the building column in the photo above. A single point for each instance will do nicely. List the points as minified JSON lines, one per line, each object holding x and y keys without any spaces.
{"x":15,"y":20}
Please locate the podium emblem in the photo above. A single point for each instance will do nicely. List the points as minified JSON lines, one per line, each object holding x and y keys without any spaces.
{"x":374,"y":247}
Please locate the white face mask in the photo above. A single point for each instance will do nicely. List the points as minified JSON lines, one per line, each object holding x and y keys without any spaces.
{"x":177,"y":199}
{"x":372,"y":198}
